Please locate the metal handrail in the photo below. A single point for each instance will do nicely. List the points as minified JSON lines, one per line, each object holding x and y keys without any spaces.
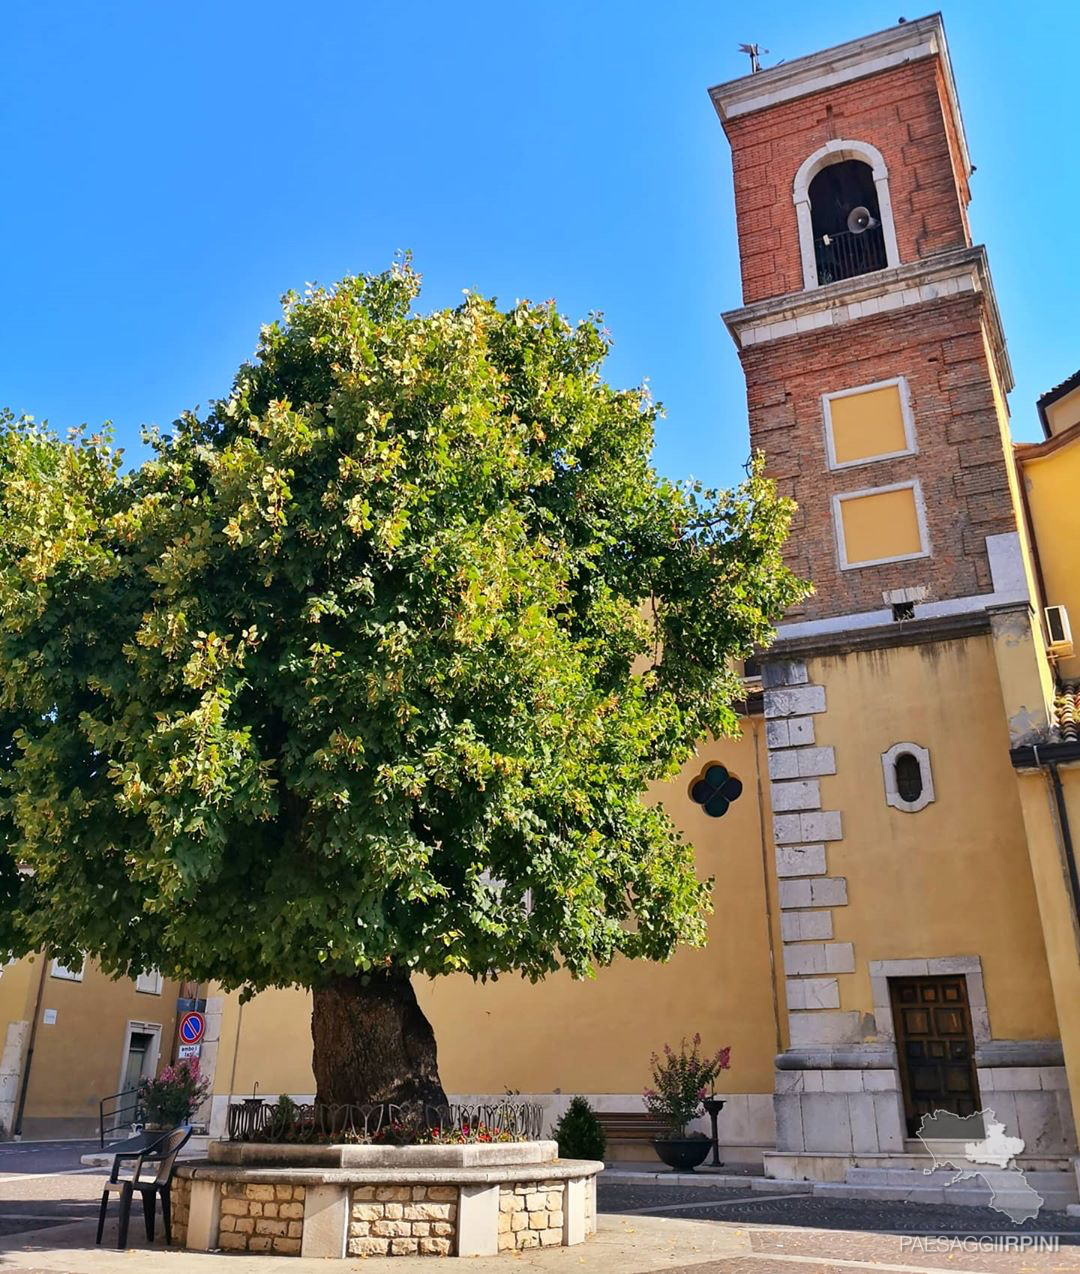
{"x":134,"y":1107}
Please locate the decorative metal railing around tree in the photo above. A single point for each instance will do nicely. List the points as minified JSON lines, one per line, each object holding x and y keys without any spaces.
{"x":256,"y":1119}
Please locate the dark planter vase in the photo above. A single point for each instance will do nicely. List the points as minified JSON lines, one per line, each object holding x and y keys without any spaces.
{"x":682,"y":1154}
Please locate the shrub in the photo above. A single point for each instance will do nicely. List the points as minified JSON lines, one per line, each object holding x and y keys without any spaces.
{"x":681,"y":1083}
{"x":579,"y":1133}
{"x":176,"y":1094}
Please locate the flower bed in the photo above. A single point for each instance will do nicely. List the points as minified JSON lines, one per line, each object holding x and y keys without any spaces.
{"x":289,"y":1122}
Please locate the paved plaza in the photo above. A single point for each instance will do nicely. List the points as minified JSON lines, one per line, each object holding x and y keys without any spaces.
{"x":48,"y":1208}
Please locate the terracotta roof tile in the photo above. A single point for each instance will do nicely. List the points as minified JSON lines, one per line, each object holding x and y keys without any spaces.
{"x":1067,"y":711}
{"x":1059,"y":390}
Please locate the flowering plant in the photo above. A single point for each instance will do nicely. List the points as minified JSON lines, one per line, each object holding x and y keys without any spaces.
{"x":405,"y":1133}
{"x":175,"y":1095}
{"x":681,"y":1082}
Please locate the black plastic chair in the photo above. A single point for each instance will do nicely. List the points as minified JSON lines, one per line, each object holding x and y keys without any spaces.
{"x":161,"y":1153}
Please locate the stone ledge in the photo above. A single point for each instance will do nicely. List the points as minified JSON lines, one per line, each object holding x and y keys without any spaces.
{"x":557,"y":1170}
{"x":853,"y":1057}
{"x":253,"y":1154}
{"x":1014,"y":1053}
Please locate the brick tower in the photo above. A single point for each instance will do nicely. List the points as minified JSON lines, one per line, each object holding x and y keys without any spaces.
{"x":876,"y":375}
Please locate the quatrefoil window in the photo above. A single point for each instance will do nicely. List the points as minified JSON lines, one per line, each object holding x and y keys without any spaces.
{"x":715,"y":790}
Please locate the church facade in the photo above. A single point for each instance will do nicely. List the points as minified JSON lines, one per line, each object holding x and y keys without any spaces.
{"x":897,"y":919}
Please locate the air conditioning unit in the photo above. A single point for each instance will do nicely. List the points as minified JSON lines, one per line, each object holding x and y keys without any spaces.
{"x":1057,"y":625}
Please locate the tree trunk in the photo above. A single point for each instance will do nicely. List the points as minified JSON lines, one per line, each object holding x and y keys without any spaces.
{"x":373,"y":1043}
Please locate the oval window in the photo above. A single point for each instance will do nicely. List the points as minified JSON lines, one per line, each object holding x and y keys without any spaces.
{"x":909,"y":779}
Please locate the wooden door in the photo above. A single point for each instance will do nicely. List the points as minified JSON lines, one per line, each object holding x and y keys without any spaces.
{"x":935,"y":1045}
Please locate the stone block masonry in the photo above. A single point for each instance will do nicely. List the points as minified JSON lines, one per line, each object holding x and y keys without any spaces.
{"x":531,"y":1214}
{"x":261,"y":1218}
{"x":407,"y":1220}
{"x":803,"y":832}
{"x":180,"y":1203}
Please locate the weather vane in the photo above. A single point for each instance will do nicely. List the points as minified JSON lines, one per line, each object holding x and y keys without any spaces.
{"x":753,"y":52}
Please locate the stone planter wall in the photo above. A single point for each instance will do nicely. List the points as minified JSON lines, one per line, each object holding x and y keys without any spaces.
{"x":401,"y":1202}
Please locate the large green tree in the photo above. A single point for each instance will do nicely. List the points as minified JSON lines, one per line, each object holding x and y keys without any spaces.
{"x":364,"y":674}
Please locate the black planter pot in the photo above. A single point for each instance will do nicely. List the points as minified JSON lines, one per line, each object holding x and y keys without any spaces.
{"x":682,"y":1154}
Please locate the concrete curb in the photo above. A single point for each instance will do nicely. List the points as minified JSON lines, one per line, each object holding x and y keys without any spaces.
{"x":709,"y":1181}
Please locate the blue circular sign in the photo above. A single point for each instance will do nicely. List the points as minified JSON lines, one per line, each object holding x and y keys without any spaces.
{"x":192,"y":1026}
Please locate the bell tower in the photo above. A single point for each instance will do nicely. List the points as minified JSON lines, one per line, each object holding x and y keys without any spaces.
{"x":876,"y":375}
{"x":875,"y":363}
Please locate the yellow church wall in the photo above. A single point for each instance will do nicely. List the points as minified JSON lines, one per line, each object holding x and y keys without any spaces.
{"x":593,"y":1036}
{"x":1056,"y":905}
{"x":1052,"y":483}
{"x":952,"y":879}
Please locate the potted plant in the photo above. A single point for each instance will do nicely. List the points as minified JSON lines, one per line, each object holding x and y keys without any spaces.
{"x":175,"y":1096}
{"x":681,"y":1082}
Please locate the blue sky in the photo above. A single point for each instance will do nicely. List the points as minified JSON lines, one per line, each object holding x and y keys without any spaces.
{"x":172,"y":168}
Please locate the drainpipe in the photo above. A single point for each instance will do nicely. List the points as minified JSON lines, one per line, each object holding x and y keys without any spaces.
{"x":16,"y":1132}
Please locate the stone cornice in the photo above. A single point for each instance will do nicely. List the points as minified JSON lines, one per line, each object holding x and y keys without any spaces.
{"x":905,"y":42}
{"x":934,"y":278}
{"x":883,"y":636}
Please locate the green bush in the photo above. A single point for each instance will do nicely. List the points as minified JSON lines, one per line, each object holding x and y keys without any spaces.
{"x":579,"y":1132}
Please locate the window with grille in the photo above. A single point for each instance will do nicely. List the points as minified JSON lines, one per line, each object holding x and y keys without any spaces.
{"x":909,"y":782}
{"x":715,"y":790}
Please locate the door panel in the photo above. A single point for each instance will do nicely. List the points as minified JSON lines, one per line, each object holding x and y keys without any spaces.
{"x":935,"y":1045}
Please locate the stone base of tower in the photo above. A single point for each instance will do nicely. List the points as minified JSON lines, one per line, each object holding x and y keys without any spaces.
{"x":843,"y":1101}
{"x":840,"y":1125}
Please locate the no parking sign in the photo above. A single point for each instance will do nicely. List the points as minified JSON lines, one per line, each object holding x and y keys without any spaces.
{"x":192,"y":1027}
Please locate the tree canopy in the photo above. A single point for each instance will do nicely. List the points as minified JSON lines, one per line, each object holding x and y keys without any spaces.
{"x":372,"y":663}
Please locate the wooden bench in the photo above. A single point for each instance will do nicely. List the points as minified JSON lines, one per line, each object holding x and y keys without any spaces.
{"x":629,"y":1134}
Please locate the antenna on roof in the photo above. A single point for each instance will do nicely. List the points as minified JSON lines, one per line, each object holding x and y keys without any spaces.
{"x":753,"y":52}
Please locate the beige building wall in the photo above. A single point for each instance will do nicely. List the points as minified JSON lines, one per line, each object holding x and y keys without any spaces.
{"x":1064,"y":413}
{"x":1051,"y":475}
{"x":18,"y":984}
{"x":80,"y":1044}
